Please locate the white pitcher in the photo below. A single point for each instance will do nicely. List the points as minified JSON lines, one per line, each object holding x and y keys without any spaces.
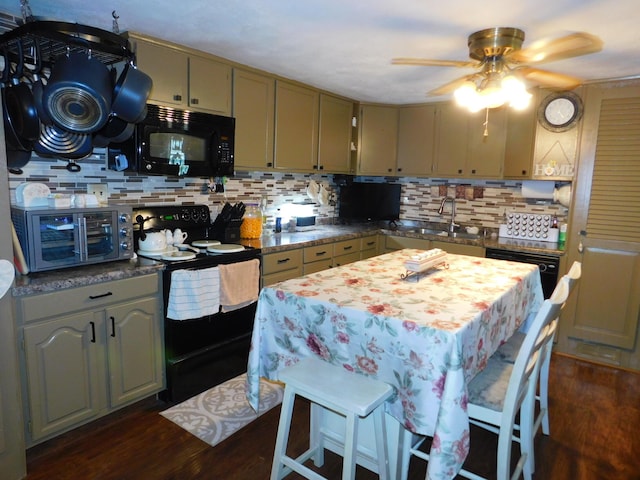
{"x":179,"y":236}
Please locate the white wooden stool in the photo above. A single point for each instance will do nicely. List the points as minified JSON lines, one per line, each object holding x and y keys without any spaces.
{"x":351,"y":395}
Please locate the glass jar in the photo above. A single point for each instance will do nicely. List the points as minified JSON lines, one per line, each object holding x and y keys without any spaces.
{"x":251,"y":222}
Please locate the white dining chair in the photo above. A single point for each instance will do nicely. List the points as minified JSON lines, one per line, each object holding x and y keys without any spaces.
{"x":499,"y":392}
{"x":509,"y":351}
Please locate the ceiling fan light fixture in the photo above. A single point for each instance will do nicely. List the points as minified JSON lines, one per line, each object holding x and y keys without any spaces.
{"x":493,"y":92}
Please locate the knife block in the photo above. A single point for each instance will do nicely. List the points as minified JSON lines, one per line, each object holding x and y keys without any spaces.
{"x":226,"y":231}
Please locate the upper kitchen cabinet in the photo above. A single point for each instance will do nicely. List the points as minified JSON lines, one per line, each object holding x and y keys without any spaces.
{"x":416,"y":132}
{"x":558,"y":121}
{"x":296,"y":127}
{"x":183,"y":78}
{"x":378,"y":140}
{"x":334,"y":143}
{"x":520,"y":142}
{"x":253,"y":109}
{"x":452,"y":134}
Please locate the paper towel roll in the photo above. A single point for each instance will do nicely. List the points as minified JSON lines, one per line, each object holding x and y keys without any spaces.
{"x":538,"y":189}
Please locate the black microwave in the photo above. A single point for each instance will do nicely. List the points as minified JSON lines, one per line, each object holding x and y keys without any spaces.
{"x":176,"y":142}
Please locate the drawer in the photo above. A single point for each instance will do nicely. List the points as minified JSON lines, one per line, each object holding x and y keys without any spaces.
{"x":281,"y":276}
{"x":318,"y":266}
{"x":281,"y":261}
{"x":345,"y":259}
{"x":319,"y":252}
{"x":369,"y":243}
{"x":346,"y":246}
{"x":44,"y":305}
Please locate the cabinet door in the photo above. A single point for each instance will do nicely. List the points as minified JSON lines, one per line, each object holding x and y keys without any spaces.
{"x":65,"y":372}
{"x":209,"y":85}
{"x":451,"y":140}
{"x":134,"y":347}
{"x":296,"y":138}
{"x":334,"y":144}
{"x":485,"y":154}
{"x":168,"y":69}
{"x":378,"y":140}
{"x":253,"y":109}
{"x":518,"y":150}
{"x":416,"y":135}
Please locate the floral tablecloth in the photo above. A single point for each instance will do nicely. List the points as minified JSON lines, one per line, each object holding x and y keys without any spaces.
{"x":426,"y":335}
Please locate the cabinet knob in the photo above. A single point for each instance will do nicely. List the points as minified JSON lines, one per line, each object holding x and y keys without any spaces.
{"x":315,"y":167}
{"x":460,"y":171}
{"x":177,"y":98}
{"x":389,"y":170}
{"x":473,"y":171}
{"x":400,"y":169}
{"x":194,"y":101}
{"x":524,"y":172}
{"x":269,"y":164}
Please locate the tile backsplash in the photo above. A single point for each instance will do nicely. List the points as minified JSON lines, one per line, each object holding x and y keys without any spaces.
{"x":420,"y":197}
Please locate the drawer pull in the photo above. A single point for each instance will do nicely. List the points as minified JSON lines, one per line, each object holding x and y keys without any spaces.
{"x":318,"y":254}
{"x":93,"y":332}
{"x":369,"y":244}
{"x":348,"y":247}
{"x":94,"y":297}
{"x":283,"y":260}
{"x":113,"y":326}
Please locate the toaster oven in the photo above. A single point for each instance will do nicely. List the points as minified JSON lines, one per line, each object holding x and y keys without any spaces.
{"x":53,"y":238}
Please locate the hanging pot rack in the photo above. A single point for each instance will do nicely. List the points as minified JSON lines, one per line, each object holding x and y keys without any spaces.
{"x":57,"y":38}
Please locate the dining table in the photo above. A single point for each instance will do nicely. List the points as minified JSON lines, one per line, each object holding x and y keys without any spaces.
{"x":427,"y":334}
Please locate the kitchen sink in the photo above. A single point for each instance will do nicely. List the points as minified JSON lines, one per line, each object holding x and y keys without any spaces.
{"x":444,"y":233}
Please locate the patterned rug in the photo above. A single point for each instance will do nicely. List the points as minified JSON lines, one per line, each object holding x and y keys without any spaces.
{"x":219,"y":412}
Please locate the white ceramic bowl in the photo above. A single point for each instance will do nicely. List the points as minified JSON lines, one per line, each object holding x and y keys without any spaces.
{"x":472,"y":230}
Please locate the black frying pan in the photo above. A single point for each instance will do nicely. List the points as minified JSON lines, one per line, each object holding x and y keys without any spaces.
{"x":20,"y":112}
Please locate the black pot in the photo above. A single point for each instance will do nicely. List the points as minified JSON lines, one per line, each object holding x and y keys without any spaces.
{"x":16,"y":159}
{"x":78,"y":94}
{"x":131,"y":93}
{"x":116,"y":130}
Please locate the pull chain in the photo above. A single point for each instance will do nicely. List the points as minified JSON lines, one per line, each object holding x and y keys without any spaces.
{"x":486,"y":124}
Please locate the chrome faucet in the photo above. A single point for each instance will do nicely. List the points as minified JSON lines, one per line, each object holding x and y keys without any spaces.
{"x":452,"y":223}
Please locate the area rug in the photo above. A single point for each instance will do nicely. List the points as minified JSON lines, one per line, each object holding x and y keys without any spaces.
{"x":219,"y":412}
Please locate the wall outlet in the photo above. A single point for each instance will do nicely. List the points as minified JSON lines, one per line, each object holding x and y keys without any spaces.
{"x":100,"y":190}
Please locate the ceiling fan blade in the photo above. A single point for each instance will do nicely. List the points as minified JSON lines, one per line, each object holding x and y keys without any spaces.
{"x":450,"y":86}
{"x":434,"y":63}
{"x":548,"y":79}
{"x":572,"y":45}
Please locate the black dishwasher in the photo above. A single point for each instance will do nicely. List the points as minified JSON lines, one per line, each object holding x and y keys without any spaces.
{"x":549,"y":265}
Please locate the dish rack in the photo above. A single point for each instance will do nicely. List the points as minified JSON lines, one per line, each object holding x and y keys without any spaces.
{"x":420,"y":263}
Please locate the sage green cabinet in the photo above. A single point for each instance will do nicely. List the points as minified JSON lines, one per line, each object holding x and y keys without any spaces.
{"x":378,"y":140}
{"x":459,"y":248}
{"x":393,"y":242}
{"x":89,"y":351}
{"x":451,"y":132}
{"x":281,"y":266}
{"x":253,"y":109}
{"x":184,"y":79}
{"x":416,"y":140}
{"x":296,"y":127}
{"x":334,"y":142}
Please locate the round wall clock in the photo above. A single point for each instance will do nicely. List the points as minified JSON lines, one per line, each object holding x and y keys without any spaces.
{"x":560,"y":111}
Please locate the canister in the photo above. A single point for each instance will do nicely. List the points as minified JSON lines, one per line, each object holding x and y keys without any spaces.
{"x":251,"y":222}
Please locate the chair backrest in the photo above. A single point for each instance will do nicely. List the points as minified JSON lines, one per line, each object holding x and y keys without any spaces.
{"x":571,"y":278}
{"x":524,"y":370}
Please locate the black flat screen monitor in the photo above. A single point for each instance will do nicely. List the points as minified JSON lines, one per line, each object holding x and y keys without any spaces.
{"x":370,"y":201}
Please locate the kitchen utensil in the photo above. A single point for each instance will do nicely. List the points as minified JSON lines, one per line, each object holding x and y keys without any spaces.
{"x":16,"y":159}
{"x":116,"y":130}
{"x":78,"y":94}
{"x":153,"y":242}
{"x":225,"y":248}
{"x":178,"y":255}
{"x":184,"y":246}
{"x":323,"y":195}
{"x":205,"y":243}
{"x":59,"y":143}
{"x":131,"y":93}
{"x":179,"y":236}
{"x":18,"y":255}
{"x":312,"y":190}
{"x":20,"y":112}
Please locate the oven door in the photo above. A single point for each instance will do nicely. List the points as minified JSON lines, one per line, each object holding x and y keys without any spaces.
{"x":66,"y":239}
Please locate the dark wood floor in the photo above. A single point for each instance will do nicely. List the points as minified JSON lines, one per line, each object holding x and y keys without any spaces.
{"x":595,"y":435}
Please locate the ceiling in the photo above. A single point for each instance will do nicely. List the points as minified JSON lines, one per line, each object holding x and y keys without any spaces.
{"x":346,"y":46}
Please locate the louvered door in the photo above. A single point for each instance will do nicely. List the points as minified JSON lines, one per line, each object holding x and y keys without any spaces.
{"x":602,"y":319}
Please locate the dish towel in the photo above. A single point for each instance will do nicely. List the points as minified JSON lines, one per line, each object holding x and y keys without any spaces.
{"x":239,"y":284}
{"x":194,"y":293}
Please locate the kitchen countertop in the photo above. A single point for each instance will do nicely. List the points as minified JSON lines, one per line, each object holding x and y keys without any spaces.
{"x":330,"y":233}
{"x":53,"y":280}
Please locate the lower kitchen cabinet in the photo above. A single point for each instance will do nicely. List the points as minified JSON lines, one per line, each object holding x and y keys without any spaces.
{"x":459,"y":248}
{"x":393,"y":242}
{"x":281,"y":266}
{"x":81,"y":361}
{"x":369,"y":246}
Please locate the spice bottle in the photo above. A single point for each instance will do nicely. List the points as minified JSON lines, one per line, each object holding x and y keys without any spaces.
{"x":251,"y":222}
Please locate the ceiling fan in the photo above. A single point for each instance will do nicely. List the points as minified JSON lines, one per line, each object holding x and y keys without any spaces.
{"x":497,"y":53}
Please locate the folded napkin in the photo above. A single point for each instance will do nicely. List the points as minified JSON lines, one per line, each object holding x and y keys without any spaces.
{"x":194,"y":293}
{"x":239,"y":284}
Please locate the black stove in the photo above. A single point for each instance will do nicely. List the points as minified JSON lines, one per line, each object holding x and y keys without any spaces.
{"x":200,"y":352}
